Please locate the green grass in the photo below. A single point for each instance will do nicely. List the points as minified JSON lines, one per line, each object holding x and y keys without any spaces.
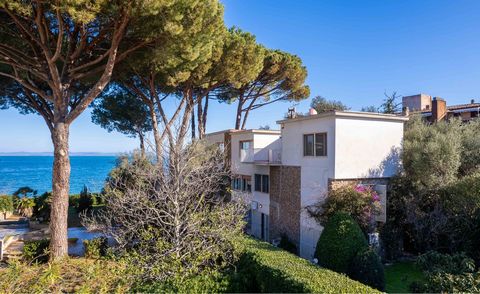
{"x":400,"y":275}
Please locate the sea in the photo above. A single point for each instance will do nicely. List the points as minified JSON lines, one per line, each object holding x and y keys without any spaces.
{"x":36,"y":173}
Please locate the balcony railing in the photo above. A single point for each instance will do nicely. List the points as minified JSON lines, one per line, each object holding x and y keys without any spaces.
{"x":267,"y":156}
{"x":261,"y":156}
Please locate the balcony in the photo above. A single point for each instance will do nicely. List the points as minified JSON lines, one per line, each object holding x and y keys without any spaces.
{"x":261,"y":156}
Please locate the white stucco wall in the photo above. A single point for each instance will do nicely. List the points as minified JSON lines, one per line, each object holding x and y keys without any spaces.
{"x":315,"y":172}
{"x":238,"y":167}
{"x":367,"y":148}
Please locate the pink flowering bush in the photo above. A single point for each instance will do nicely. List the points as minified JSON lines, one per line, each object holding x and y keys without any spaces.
{"x":359,"y":201}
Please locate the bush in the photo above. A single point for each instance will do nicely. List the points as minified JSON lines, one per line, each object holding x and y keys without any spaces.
{"x":339,"y":242}
{"x":367,"y":268}
{"x":42,"y":207}
{"x":361,"y":202}
{"x":6,"y":204}
{"x":96,"y":247}
{"x":73,"y":275}
{"x":36,"y":250}
{"x":264,"y":268}
{"x":287,"y":245}
{"x":85,"y":200}
{"x":434,"y":262}
{"x":449,"y":273}
{"x":73,"y":200}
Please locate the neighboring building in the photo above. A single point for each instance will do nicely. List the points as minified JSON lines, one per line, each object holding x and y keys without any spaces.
{"x":436,"y":109}
{"x":290,"y":169}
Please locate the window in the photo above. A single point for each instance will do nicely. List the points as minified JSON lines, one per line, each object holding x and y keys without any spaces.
{"x":262,"y":183}
{"x":308,"y":145}
{"x":265,"y":184}
{"x":245,"y":145}
{"x":315,"y":144}
{"x":258,"y":182}
{"x":242,"y":183}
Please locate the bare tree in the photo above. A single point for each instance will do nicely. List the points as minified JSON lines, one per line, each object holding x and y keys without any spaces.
{"x":174,"y":220}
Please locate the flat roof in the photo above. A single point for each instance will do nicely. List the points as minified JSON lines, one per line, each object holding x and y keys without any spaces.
{"x":347,"y":114}
{"x":255,"y":131}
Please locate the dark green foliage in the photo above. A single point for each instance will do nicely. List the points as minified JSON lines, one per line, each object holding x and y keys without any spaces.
{"x":321,"y":104}
{"x":42,"y":207}
{"x":266,"y":269}
{"x":85,"y":200}
{"x":36,"y":250}
{"x":25,"y":191}
{"x":287,"y":244}
{"x":96,"y":247}
{"x":119,"y":110}
{"x":448,"y":273}
{"x":339,"y":242}
{"x":73,"y":200}
{"x":367,"y":268}
{"x":434,"y":262}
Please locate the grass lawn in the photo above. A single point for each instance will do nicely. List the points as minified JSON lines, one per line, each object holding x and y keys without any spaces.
{"x":400,"y":275}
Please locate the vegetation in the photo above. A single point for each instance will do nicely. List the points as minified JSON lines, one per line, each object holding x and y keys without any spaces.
{"x":321,"y":104}
{"x":66,"y":276}
{"x":435,"y":203}
{"x":367,"y":268}
{"x":85,"y":200}
{"x":96,"y":248}
{"x":6,"y":205}
{"x":42,"y":208}
{"x":401,"y":275}
{"x":264,"y":268}
{"x":340,"y":242}
{"x":287,"y":244}
{"x":448,"y":273}
{"x":360,"y":202}
{"x":121,"y":111}
{"x":175,"y":221}
{"x":36,"y":250}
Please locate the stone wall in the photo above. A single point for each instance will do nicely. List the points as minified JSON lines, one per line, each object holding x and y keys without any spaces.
{"x":285,"y":202}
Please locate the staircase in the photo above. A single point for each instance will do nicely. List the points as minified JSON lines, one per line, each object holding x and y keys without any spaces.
{"x":13,"y":251}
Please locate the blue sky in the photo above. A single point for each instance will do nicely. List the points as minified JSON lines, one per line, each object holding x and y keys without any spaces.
{"x":354,"y":51}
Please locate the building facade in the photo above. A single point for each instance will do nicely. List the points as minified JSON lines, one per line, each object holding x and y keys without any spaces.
{"x":285,"y":171}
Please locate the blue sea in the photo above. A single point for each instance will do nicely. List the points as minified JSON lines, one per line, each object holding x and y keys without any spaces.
{"x":36,"y":172}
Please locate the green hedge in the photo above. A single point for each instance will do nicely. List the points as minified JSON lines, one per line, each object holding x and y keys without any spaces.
{"x":264,"y":268}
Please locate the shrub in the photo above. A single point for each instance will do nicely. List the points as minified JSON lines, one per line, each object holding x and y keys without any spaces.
{"x":264,"y":268}
{"x":287,"y":244}
{"x":449,"y":283}
{"x":434,"y":262}
{"x":367,"y":268}
{"x":36,"y":250}
{"x":72,"y":275}
{"x":96,"y":247}
{"x":85,"y":200}
{"x":361,"y":202}
{"x":73,"y":200}
{"x":449,"y":273}
{"x":339,"y":242}
{"x":42,"y":207}
{"x":6,"y":204}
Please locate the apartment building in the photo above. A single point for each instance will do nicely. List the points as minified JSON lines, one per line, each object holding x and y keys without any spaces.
{"x":284,"y":171}
{"x":435,"y":109}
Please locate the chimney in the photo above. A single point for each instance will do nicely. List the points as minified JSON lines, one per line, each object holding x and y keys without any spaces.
{"x":439,"y":109}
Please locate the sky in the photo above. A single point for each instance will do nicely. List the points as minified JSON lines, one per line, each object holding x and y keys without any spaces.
{"x":354,"y":52}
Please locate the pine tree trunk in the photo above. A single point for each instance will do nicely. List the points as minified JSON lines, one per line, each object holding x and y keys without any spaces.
{"x":142,"y":143}
{"x":238,"y":119}
{"x":60,"y":189}
{"x":156,"y":133}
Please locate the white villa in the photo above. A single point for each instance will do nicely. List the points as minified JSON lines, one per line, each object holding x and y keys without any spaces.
{"x":284,"y":171}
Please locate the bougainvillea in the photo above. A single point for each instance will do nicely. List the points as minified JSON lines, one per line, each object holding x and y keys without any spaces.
{"x":360,"y":201}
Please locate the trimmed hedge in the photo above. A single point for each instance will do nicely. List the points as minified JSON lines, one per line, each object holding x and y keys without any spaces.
{"x":340,"y":242}
{"x":265,"y":268}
